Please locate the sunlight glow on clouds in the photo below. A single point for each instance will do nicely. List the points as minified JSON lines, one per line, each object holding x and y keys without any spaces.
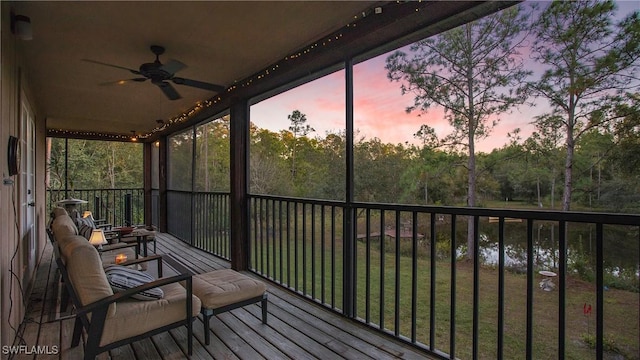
{"x":379,"y":107}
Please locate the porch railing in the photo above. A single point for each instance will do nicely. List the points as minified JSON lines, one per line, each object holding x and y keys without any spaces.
{"x":406,"y":271}
{"x":118,"y":207}
{"x":200,"y":219}
{"x":539,"y":284}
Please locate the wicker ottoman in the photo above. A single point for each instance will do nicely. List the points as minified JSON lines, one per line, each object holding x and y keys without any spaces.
{"x":224,"y":290}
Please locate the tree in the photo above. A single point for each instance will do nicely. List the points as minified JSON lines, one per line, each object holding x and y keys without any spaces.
{"x":427,"y":176}
{"x":474,"y":73}
{"x":627,"y":135}
{"x":590,"y":163}
{"x":334,"y":147}
{"x":378,"y":168}
{"x":543,"y":147}
{"x":298,"y":128}
{"x":213,"y":155}
{"x":268,"y":166}
{"x":95,"y":164}
{"x":621,"y":192}
{"x":589,"y":66}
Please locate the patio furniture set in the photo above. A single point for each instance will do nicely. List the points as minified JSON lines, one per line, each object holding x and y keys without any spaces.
{"x":116,"y":303}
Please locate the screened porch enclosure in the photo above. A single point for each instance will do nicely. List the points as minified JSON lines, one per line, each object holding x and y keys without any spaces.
{"x":398,"y":268}
{"x":355,"y":223}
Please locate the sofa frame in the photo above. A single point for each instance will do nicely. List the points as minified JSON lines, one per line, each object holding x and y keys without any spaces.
{"x":94,"y":324}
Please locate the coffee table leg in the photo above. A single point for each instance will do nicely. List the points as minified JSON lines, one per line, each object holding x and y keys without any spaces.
{"x":137,"y":245}
{"x":143,"y":239}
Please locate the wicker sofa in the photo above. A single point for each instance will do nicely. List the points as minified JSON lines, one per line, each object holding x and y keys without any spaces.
{"x":115,"y":319}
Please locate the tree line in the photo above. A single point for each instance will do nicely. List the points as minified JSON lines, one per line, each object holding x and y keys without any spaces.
{"x":519,"y":174}
{"x":89,"y":164}
{"x":523,"y":173}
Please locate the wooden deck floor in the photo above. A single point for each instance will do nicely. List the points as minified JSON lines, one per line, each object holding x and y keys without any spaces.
{"x":296,"y":329}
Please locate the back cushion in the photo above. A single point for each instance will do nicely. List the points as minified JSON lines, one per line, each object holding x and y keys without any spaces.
{"x":87,"y":274}
{"x":63,"y":226}
{"x":58,"y":211}
{"x":68,"y":243}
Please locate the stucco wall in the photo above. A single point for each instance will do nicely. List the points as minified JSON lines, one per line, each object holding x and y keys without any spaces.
{"x":13,"y":85}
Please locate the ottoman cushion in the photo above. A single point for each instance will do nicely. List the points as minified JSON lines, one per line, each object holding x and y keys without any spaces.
{"x":220,"y":288}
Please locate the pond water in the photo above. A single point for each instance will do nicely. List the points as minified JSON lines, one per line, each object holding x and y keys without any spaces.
{"x":621,"y":248}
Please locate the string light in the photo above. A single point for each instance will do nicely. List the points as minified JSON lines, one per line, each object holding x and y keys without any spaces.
{"x":269,"y":71}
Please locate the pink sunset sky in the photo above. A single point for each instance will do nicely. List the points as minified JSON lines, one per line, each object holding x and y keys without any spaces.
{"x":379,"y":106}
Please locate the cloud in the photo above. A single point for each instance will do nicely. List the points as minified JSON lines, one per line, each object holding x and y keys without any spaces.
{"x":379,"y":109}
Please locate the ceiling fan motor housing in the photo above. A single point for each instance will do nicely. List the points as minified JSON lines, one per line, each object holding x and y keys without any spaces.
{"x":154,"y":72}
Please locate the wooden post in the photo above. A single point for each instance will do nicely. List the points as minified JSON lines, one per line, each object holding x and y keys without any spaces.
{"x":239,"y":132}
{"x":128,"y":210}
{"x":162,"y":176}
{"x":349,"y":271}
{"x":146,"y":161}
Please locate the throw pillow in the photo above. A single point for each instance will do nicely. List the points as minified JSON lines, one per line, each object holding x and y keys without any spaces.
{"x":85,"y":226}
{"x":88,"y":221}
{"x":122,"y":278}
{"x":85,"y":231}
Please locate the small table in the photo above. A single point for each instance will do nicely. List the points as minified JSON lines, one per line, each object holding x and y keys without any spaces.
{"x":141,"y":237}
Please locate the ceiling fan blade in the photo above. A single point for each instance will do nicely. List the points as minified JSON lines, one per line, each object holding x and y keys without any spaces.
{"x":121,"y":82}
{"x":168,"y":90}
{"x":198,"y":84}
{"x":173,"y":66}
{"x":111,"y":65}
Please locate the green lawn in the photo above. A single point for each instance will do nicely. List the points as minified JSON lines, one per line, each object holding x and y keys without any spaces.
{"x":622,"y":308}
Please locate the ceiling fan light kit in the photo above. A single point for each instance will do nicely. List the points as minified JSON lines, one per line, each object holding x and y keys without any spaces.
{"x":160,"y":75}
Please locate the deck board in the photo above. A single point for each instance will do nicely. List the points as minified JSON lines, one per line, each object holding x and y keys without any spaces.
{"x":247,"y":332}
{"x":297,"y":328}
{"x":167,"y":347}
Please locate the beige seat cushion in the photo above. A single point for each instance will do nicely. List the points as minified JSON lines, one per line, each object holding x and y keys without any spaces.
{"x":219,"y":288}
{"x":135,"y":317}
{"x":128,"y":318}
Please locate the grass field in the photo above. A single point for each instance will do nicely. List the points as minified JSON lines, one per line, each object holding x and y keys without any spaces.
{"x":621,"y":313}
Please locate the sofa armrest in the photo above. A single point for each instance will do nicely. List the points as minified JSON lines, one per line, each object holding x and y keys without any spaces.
{"x":105,"y":226}
{"x":117,"y":246}
{"x":158,"y":258}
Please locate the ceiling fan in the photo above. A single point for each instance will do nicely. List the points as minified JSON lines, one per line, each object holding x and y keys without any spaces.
{"x":160,"y":75}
